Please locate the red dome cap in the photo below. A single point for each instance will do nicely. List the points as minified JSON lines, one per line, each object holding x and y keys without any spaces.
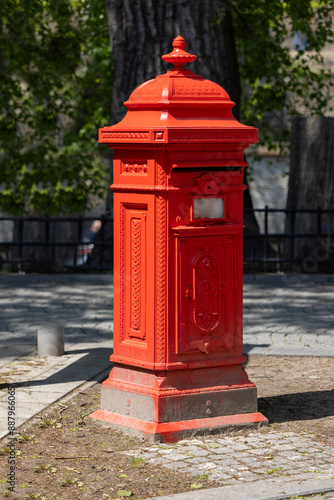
{"x":178,"y":106}
{"x":178,"y":86}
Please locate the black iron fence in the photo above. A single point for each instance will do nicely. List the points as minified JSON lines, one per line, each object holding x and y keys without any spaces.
{"x":289,"y":240}
{"x":59,"y":244}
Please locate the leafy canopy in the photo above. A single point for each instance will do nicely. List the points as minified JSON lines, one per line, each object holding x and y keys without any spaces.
{"x":278,"y":82}
{"x":56,"y":80}
{"x":55,"y":74}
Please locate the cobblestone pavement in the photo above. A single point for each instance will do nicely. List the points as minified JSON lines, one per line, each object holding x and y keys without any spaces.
{"x":81,"y":303}
{"x":231,"y":459}
{"x":276,"y":458}
{"x":289,"y":315}
{"x":282,"y":315}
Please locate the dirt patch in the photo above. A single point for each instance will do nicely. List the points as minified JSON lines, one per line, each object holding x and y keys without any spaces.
{"x":63,"y":454}
{"x":296,"y":393}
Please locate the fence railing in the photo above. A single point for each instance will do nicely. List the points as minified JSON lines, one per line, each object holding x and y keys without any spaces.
{"x":56,"y":244}
{"x":298,"y":240}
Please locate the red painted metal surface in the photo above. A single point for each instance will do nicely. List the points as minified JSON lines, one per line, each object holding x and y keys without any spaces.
{"x":178,"y":212}
{"x":172,"y":432}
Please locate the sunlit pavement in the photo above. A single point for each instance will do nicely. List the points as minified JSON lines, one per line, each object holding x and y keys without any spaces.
{"x":283,"y":315}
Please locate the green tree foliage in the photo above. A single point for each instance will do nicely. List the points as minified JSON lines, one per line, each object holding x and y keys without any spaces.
{"x":56,"y":81}
{"x":278,"y":83}
{"x":53,"y":55}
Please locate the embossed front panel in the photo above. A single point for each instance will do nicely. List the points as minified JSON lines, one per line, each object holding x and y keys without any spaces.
{"x":206,"y":305}
{"x":205,"y":291}
{"x":134,"y":284}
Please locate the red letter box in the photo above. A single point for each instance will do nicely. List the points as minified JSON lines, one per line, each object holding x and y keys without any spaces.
{"x":178,"y":211}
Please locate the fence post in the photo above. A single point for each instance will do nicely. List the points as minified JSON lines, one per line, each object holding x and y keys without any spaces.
{"x":265,"y":237}
{"x":80,"y":241}
{"x":20,"y":234}
{"x":319,"y":222}
{"x":292,"y":233}
{"x":47,"y":239}
{"x":101,"y":249}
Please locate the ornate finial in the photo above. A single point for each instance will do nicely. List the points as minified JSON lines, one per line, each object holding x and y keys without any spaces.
{"x":179,"y":56}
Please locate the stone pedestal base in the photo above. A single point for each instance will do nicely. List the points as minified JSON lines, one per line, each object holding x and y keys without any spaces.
{"x":167,"y":406}
{"x":174,"y":431}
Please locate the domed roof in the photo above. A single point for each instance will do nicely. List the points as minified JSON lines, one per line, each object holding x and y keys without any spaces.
{"x":178,"y":85}
{"x":178,"y":107}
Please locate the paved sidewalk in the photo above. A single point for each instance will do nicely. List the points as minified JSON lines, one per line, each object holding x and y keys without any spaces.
{"x":289,"y":315}
{"x":283,"y":315}
{"x":260,"y":465}
{"x":83,"y":305}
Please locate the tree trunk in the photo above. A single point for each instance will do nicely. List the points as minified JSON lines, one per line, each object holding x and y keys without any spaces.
{"x":140,"y":32}
{"x":311,"y":185}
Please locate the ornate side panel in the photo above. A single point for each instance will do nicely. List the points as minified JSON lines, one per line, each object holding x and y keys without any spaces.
{"x":134,"y":275}
{"x":206,"y":294}
{"x":133,"y":286}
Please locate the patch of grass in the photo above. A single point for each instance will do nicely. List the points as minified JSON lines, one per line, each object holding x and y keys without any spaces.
{"x":198,"y":484}
{"x":137,"y":461}
{"x":3,"y":451}
{"x":39,"y":496}
{"x":49,"y":423}
{"x":72,"y":482}
{"x":272,"y":471}
{"x":202,"y":477}
{"x":23,"y":438}
{"x":51,"y":469}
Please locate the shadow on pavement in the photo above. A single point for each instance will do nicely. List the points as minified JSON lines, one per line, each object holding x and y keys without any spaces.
{"x":248,"y":347}
{"x":298,"y":406}
{"x":19,"y":344}
{"x":94,"y":362}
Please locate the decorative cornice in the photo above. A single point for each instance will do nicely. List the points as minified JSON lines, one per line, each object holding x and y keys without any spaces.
{"x":179,"y":135}
{"x":107,"y":136}
{"x":246,"y":134}
{"x":142,"y":189}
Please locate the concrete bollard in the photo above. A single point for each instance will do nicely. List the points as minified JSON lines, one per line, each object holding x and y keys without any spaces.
{"x":50,"y":339}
